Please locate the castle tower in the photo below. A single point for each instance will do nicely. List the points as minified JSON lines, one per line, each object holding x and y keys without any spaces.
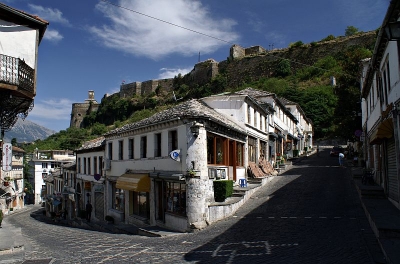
{"x":80,"y":110}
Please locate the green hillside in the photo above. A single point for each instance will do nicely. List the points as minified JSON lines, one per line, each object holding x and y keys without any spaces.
{"x":302,"y":73}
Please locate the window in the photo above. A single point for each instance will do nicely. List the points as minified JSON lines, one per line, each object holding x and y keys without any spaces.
{"x":121,"y":150}
{"x":89,"y":159}
{"x":248,"y":114}
{"x":172,"y":140}
{"x":255,"y":119}
{"x":44,"y":165}
{"x":139,"y":204}
{"x":239,"y":151}
{"x":110,"y":151}
{"x":79,"y":165}
{"x":94,"y":165}
{"x":118,"y":198}
{"x":143,"y":147}
{"x":131,"y":148}
{"x":101,"y":165}
{"x":216,"y":147}
{"x":84,"y":165}
{"x":176,"y":198}
{"x":252,"y":142}
{"x":157,"y":145}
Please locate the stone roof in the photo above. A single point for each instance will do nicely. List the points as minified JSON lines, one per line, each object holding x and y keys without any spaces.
{"x":94,"y":143}
{"x":254,"y":92}
{"x":190,"y":109}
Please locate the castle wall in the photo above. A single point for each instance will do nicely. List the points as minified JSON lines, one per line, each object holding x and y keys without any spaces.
{"x":129,"y":89}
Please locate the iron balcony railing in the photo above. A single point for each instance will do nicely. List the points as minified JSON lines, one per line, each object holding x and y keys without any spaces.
{"x":15,"y":71}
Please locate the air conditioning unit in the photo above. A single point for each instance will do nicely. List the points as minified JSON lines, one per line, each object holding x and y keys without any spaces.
{"x":107,"y":164}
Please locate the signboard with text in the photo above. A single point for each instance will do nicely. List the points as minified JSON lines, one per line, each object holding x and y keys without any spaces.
{"x":7,"y":157}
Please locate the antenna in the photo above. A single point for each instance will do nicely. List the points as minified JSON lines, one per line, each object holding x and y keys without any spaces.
{"x":199,"y":56}
{"x":174,"y":97}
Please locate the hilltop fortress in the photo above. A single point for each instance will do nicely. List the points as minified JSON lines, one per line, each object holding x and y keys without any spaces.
{"x":242,"y":65}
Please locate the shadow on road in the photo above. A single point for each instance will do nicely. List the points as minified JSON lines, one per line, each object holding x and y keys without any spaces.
{"x":310,"y":214}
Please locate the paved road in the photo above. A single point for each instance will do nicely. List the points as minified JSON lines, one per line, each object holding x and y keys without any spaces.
{"x":311,"y":214}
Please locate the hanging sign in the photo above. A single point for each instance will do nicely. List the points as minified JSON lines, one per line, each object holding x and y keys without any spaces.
{"x":7,"y":156}
{"x":97,"y":176}
{"x":175,"y":155}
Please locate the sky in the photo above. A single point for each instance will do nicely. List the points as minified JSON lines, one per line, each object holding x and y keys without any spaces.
{"x":99,"y":44}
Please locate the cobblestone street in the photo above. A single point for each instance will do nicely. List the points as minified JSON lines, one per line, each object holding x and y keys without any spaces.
{"x":310,"y":214}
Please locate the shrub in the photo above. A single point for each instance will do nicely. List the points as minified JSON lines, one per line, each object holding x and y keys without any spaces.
{"x":222,"y":190}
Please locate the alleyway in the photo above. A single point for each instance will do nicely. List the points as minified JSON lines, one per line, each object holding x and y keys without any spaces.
{"x":310,"y":214}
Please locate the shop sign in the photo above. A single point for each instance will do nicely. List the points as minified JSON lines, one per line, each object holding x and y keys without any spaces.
{"x":7,"y":156}
{"x":87,"y":186}
{"x":98,"y":188}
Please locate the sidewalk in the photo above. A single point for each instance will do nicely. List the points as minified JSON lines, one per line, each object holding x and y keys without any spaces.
{"x":383,"y":216}
{"x":11,"y":239}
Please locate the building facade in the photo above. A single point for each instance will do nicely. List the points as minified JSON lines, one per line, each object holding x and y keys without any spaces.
{"x":380,"y":89}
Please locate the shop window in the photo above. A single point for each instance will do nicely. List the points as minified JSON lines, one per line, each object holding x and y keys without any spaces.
{"x":118,"y":198}
{"x":139,"y":204}
{"x":252,"y":149}
{"x":239,"y":151}
{"x":176,"y":198}
{"x":216,"y":147}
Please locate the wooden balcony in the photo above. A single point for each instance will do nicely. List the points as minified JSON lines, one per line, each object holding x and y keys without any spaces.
{"x":17,"y":76}
{"x":17,"y":90}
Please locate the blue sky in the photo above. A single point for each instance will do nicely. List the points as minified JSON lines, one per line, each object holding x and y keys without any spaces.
{"x":95,"y":45}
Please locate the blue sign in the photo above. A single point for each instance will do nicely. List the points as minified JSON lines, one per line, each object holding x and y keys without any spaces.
{"x":175,"y":155}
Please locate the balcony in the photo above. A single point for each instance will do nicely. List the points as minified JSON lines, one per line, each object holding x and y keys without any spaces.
{"x":17,"y":90}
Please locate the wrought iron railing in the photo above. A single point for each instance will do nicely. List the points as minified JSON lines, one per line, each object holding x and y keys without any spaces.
{"x":15,"y":71}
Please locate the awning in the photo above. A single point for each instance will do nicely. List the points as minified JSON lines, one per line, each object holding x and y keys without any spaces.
{"x":138,"y":182}
{"x":272,"y":134}
{"x":384,"y":130}
{"x":290,"y":135}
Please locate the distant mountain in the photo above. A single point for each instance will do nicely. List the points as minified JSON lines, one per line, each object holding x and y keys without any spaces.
{"x":27,"y":131}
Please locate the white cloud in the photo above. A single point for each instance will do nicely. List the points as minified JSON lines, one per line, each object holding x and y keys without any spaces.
{"x":49,"y":14}
{"x":53,"y":35}
{"x":255,"y":22}
{"x":53,"y":109}
{"x":167,"y":73}
{"x":53,"y":114}
{"x":141,"y":35}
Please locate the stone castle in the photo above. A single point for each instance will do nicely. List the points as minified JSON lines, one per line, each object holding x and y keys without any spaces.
{"x":243,"y":64}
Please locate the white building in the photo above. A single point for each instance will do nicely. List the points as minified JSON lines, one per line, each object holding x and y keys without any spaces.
{"x":145,"y":185}
{"x":42,"y":164}
{"x":90,"y":178}
{"x":12,"y":183}
{"x":380,"y":91}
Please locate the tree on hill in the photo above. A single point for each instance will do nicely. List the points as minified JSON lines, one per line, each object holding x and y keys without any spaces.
{"x":350,"y":31}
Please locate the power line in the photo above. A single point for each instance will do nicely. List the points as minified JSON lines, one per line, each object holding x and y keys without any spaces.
{"x":164,"y":21}
{"x":219,"y":39}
